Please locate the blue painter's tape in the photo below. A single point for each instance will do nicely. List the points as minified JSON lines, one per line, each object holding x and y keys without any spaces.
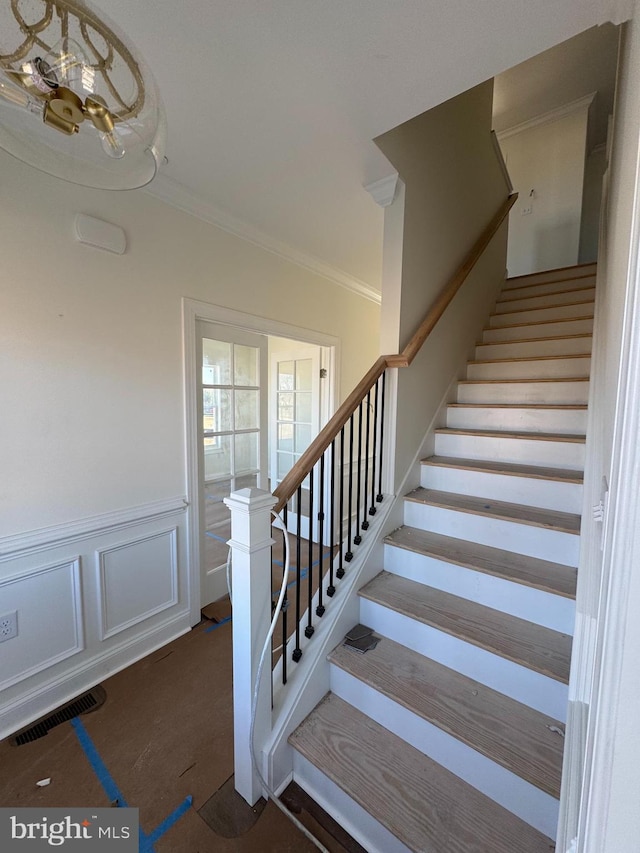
{"x":99,"y":767}
{"x":215,"y":536}
{"x":217,"y":625}
{"x":169,"y":821}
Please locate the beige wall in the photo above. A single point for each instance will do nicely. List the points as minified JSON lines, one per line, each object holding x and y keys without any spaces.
{"x":548,"y":159}
{"x":453,"y":187}
{"x":91,"y":353}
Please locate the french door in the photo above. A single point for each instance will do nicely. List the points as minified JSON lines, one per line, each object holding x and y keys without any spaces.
{"x":232,"y":414}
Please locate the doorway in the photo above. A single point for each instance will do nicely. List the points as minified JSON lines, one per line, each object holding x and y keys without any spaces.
{"x":232,"y":420}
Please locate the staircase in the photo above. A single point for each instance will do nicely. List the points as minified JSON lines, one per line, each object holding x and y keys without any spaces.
{"x":448,"y":736}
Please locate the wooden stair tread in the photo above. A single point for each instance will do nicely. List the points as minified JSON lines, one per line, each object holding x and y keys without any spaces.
{"x":533,"y":340}
{"x":535,"y":323}
{"x":518,"y":568}
{"x":533,"y":436}
{"x":518,"y":359}
{"x":425,"y":806}
{"x":516,"y":381}
{"x":502,"y":299}
{"x":557,"y":406}
{"x":533,"y":646}
{"x":505,"y":731}
{"x":544,"y":307}
{"x":564,"y":522}
{"x":558,"y":270}
{"x":565,"y":475}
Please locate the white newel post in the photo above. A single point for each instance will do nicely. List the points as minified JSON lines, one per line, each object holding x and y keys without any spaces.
{"x":251,"y":590}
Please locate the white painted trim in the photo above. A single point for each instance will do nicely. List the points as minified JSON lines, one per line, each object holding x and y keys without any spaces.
{"x":621,"y":556}
{"x":174,"y":194}
{"x":192,"y":311}
{"x":104,"y":632}
{"x":383,"y":191}
{"x":24,"y":544}
{"x":545,"y":118}
{"x":74,"y":566}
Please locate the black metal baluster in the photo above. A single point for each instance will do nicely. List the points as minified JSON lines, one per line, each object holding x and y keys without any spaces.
{"x":357,"y":538}
{"x":340,"y":570}
{"x":297,"y":652}
{"x":372,"y":508}
{"x":308,"y":631}
{"x":320,"y":607}
{"x":285,"y":600}
{"x":349,"y":555}
{"x":332,"y":509}
{"x":365,"y":523}
{"x":383,"y":383}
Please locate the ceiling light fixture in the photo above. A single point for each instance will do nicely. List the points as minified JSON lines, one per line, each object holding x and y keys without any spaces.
{"x":76,"y":99}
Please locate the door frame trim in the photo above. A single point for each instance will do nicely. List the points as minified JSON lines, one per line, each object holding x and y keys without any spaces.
{"x":192,"y":310}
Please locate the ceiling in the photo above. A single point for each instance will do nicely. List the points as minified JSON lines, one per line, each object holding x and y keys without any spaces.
{"x":272,"y":104}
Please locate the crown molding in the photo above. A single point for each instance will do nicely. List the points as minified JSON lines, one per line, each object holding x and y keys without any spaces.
{"x":173,"y":193}
{"x":383,"y":191}
{"x":545,"y":118}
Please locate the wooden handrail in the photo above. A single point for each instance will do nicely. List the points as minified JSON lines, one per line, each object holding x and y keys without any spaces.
{"x":296,"y":475}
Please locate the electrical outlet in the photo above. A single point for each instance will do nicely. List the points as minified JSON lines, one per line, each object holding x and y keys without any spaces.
{"x":8,"y":626}
{"x":526,"y":210}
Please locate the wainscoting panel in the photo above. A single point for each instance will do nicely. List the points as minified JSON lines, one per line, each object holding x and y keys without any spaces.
{"x":92,"y":597}
{"x":138,"y":579}
{"x":49,"y":618}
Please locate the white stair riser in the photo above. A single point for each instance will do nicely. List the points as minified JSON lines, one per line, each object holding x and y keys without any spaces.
{"x":528,"y":451}
{"x":566,"y":421}
{"x":516,"y":795}
{"x":558,"y":393}
{"x":547,"y":368}
{"x":528,"y":491}
{"x":527,"y":301}
{"x":524,"y":330}
{"x":526,"y":349}
{"x":535,"y":315}
{"x":534,"y":605}
{"x":549,"y":287}
{"x":554,"y":545}
{"x":524,"y":685}
{"x":366,"y":830}
{"x":564,"y":275}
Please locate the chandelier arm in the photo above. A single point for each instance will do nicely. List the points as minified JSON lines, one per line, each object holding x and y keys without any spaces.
{"x":30,"y":31}
{"x":103,"y":66}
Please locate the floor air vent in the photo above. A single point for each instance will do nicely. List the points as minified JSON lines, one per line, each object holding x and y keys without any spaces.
{"x":84,"y":704}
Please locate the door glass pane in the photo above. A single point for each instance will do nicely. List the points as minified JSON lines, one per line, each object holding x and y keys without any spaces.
{"x":286,"y":370}
{"x":303,"y":374}
{"x":285,"y":437}
{"x":285,"y":406}
{"x":303,"y":407}
{"x":285,"y":461}
{"x":246,"y":365}
{"x":247,"y":409}
{"x":303,"y":437}
{"x":217,"y":457}
{"x":216,"y":410}
{"x":246,"y":453}
{"x":216,"y":362}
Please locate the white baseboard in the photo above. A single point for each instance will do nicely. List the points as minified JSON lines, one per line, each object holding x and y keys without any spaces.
{"x":46,"y":698}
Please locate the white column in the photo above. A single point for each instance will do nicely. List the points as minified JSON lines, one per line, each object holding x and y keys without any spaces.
{"x":251,"y":591}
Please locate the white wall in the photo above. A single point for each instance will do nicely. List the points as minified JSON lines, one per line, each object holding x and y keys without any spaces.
{"x":91,"y":404}
{"x":594,"y":169}
{"x":547,"y":160}
{"x":453,"y":186}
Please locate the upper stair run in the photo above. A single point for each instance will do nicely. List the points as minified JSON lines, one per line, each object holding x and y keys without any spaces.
{"x":448,"y":736}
